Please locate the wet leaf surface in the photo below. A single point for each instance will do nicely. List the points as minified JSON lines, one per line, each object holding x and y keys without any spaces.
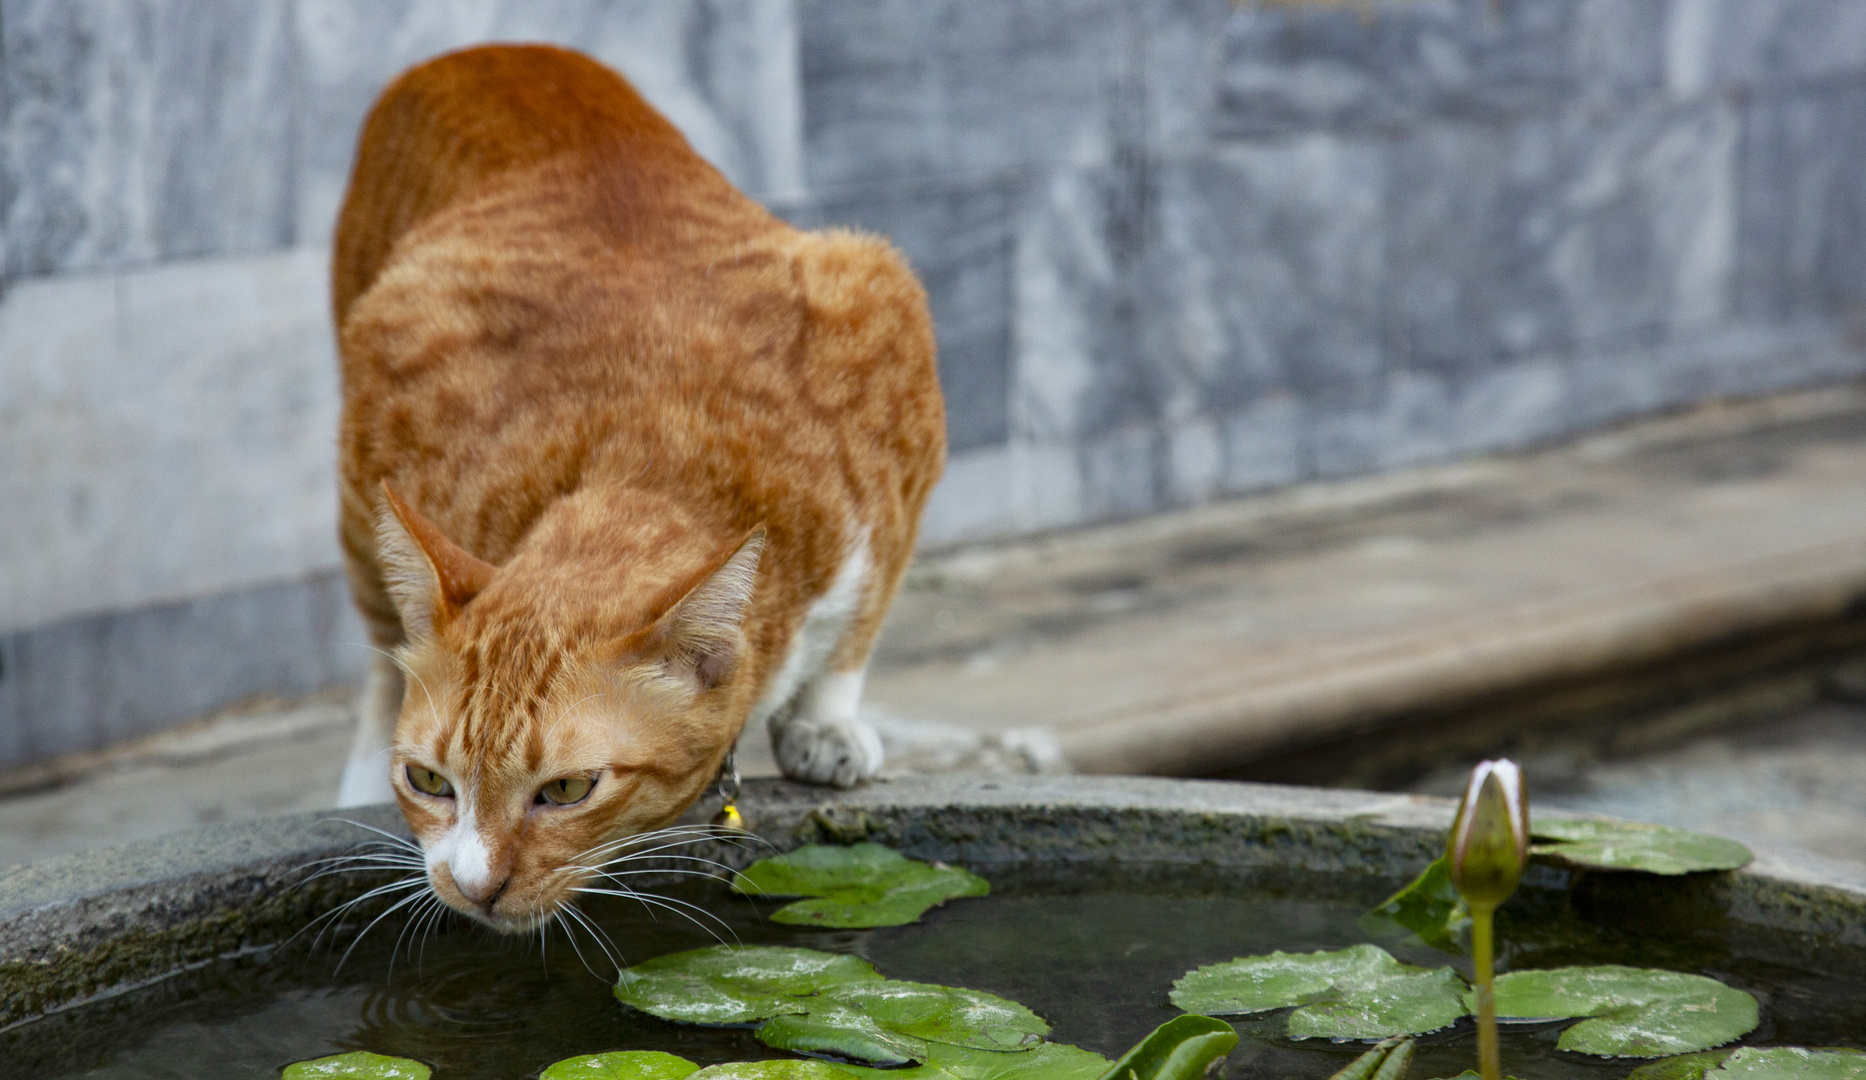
{"x":1633,"y":1012}
{"x":1792,"y":1063}
{"x":1405,"y":1004}
{"x":726,"y":985}
{"x":944,"y":1014}
{"x":1048,"y":1061}
{"x":843,"y":1032}
{"x":859,"y":886}
{"x":1682,"y":1067}
{"x":822,"y":1003}
{"x":790,"y":1069}
{"x":622,"y":1065}
{"x":1631,"y":845}
{"x":1759,"y":1063}
{"x":357,"y":1065}
{"x":1429,"y":907}
{"x":1360,"y":992}
{"x":891,"y":1022}
{"x":1179,"y":1049}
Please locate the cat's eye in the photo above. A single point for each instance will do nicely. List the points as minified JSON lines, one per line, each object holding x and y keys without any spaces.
{"x":429,"y":782}
{"x":566,"y":790}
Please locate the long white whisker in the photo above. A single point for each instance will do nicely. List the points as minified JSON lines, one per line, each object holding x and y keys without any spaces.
{"x":616,"y":876}
{"x":398,"y":841}
{"x":407,"y":925}
{"x":357,"y":864}
{"x":667,"y":903}
{"x":569,"y":932}
{"x":365,"y":856}
{"x":330,"y":918}
{"x":646,"y":853}
{"x":378,"y":868}
{"x":596,"y":934}
{"x":393,"y":908}
{"x":408,"y":671}
{"x":651,"y":853}
{"x":439,"y":912}
{"x":694,"y":833}
{"x":709,"y":832}
{"x":650,"y":872}
{"x":658,"y":898}
{"x":430,"y":922}
{"x":719,"y":871}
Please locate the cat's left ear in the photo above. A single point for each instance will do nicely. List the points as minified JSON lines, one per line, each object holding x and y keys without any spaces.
{"x":703,"y":634}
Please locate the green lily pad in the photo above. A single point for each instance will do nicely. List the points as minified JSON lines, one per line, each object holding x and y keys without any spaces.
{"x":858,"y":886}
{"x":1792,"y":1063}
{"x":1759,"y":1063}
{"x":1430,"y":907}
{"x":818,"y":1002}
{"x":1633,"y":1012}
{"x":892,"y":1021}
{"x":1047,"y":1061}
{"x":357,"y":1065}
{"x":1179,"y":1049}
{"x":1402,"y":1005}
{"x":843,"y":1032}
{"x":622,"y":1065}
{"x":1682,"y":1067}
{"x":722,"y":984}
{"x":1631,"y":845}
{"x":784,"y":1069}
{"x":1360,"y":992}
{"x":944,"y":1014}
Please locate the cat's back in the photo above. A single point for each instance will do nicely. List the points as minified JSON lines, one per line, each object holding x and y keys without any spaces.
{"x":448,"y":130}
{"x":540,"y":288}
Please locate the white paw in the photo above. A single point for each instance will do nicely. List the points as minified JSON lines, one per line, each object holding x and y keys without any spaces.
{"x":839,"y":752}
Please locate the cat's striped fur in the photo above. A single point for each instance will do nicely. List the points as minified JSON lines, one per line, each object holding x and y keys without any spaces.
{"x":625,"y":461}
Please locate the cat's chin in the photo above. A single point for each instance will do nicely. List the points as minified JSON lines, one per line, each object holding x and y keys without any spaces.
{"x":526,"y":923}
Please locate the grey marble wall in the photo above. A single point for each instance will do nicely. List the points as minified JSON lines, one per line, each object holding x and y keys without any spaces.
{"x":1176,"y":249}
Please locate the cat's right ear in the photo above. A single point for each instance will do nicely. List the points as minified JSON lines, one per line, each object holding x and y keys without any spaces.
{"x":429,"y":577}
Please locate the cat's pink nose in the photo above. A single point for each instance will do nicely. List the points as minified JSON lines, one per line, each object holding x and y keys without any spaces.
{"x":482,"y":891}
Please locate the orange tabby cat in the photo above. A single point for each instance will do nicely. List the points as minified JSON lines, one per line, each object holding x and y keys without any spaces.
{"x":625,"y":462}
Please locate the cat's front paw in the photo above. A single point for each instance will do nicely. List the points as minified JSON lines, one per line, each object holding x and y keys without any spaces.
{"x":839,"y":752}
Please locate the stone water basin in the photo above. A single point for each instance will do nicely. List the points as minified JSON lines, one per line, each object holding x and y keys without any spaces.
{"x":177,"y":957}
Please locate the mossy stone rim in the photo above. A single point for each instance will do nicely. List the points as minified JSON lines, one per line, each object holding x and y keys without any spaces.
{"x":96,"y":922}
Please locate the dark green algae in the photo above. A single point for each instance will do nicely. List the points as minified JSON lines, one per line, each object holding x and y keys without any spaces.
{"x":1093,"y":952}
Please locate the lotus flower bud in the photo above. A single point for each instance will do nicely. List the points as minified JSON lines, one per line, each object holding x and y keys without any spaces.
{"x":1490,"y":837}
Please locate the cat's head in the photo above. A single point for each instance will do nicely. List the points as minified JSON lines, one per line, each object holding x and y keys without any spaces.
{"x":540,"y":729}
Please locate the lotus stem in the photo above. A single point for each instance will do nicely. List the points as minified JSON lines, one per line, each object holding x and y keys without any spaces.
{"x":1488,"y":1063}
{"x":1394,"y":1067}
{"x":1369,"y":1065}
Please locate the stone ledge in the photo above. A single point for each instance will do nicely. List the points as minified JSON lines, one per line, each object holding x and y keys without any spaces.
{"x":95,"y":923}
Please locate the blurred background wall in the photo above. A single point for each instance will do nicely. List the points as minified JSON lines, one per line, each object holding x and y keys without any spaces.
{"x":1176,"y":250}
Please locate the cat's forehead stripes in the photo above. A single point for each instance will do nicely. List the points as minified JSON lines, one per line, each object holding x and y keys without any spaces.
{"x":507,"y":678}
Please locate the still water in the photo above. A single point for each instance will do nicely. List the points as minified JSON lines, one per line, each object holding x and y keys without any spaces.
{"x":1095,"y":959}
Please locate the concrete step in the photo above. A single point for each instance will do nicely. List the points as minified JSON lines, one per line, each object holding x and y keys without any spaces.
{"x":1644,"y":565}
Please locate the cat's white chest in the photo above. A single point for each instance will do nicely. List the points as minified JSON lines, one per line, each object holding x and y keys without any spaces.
{"x":810,"y":709}
{"x":824,"y":623}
